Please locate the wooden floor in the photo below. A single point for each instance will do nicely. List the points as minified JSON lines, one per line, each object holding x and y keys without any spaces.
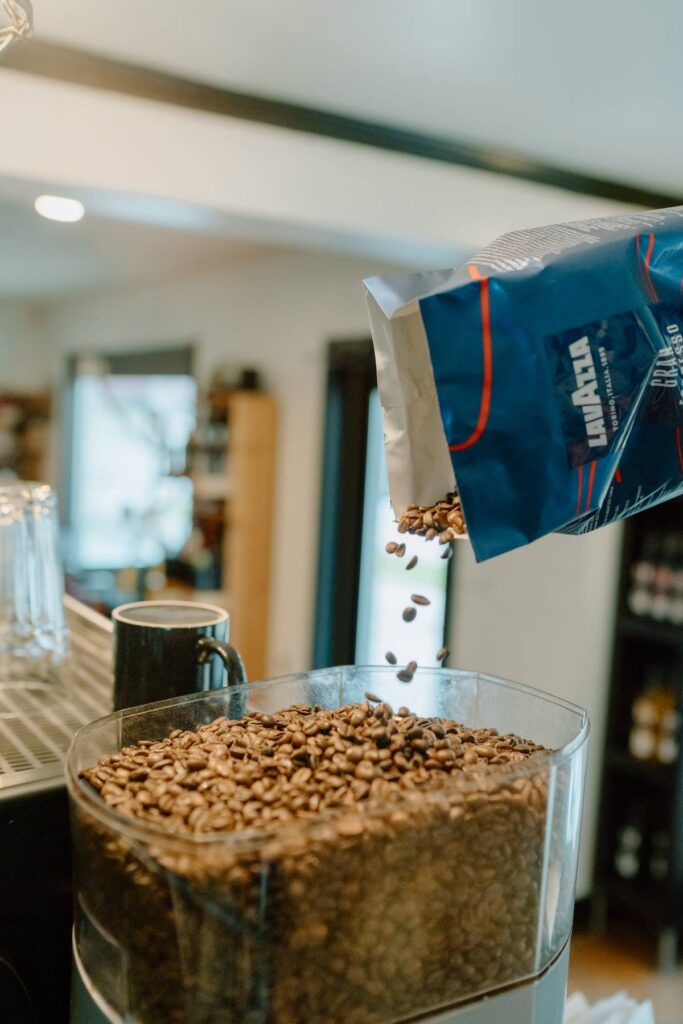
{"x":599,"y":967}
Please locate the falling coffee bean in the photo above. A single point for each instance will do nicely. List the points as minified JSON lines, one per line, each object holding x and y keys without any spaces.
{"x":390,"y":548}
{"x":448,"y":552}
{"x":442,"y":654}
{"x":420,"y":599}
{"x":404,"y":676}
{"x":400,"y":550}
{"x":409,"y":614}
{"x":412,"y":563}
{"x":391,"y":657}
{"x":372,"y":697}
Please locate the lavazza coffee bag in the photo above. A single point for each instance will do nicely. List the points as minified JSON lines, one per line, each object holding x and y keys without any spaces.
{"x":542,"y":381}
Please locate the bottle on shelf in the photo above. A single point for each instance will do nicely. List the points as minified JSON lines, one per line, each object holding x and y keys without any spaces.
{"x":655,"y":721}
{"x":641,"y":593}
{"x":642,"y":740}
{"x":676,"y":612}
{"x":629,"y":846}
{"x":669,"y":726}
{"x":664,"y":577}
{"x":658,"y":860}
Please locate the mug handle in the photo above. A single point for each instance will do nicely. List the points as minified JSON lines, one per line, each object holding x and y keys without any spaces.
{"x":207,"y":646}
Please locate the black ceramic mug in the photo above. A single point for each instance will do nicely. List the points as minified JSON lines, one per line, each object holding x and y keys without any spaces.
{"x":171,"y":648}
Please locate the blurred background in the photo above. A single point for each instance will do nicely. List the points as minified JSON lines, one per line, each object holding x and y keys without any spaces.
{"x":185,"y":350}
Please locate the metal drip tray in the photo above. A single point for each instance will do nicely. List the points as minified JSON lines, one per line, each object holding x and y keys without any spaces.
{"x":38,"y":720}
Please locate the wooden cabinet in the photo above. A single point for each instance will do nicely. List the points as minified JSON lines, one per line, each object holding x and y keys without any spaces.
{"x":247,"y":553}
{"x":235,"y":487}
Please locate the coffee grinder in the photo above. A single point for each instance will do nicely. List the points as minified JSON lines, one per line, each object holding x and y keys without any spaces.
{"x":106,"y":992}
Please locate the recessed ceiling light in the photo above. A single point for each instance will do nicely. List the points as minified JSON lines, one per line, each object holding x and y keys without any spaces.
{"x":59,"y":208}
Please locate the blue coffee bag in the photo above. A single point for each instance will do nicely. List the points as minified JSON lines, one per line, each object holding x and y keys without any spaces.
{"x":544,"y":379}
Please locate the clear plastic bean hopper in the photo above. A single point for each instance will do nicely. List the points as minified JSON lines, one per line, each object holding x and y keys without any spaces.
{"x":451,"y":905}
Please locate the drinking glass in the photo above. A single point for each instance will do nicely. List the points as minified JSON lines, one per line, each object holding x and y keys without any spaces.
{"x":33,"y":633}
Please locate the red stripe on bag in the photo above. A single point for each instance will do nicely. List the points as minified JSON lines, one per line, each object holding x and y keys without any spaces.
{"x":487,"y":352}
{"x":591,"y":477}
{"x":617,"y":475}
{"x":580,"y":489}
{"x":646,"y":265}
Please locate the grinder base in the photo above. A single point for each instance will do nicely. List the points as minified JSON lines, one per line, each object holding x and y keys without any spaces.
{"x":537,"y":1001}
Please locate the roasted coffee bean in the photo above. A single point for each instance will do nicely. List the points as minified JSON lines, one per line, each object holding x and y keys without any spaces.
{"x":366,"y":771}
{"x":411,"y":667}
{"x":380,"y":736}
{"x":373,"y":697}
{"x":391,"y":547}
{"x":196,"y":762}
{"x":390,"y":657}
{"x":351,"y":826}
{"x":442,"y":654}
{"x":400,"y":551}
{"x":404,"y":676}
{"x":420,"y":599}
{"x":409,"y":614}
{"x":412,"y":563}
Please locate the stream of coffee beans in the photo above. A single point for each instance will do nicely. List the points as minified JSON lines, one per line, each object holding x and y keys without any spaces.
{"x":444,"y":520}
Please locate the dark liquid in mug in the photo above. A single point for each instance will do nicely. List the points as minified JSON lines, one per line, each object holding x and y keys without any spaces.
{"x":171,"y":615}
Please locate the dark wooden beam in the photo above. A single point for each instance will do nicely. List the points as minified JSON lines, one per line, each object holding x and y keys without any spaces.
{"x":80,"y":67}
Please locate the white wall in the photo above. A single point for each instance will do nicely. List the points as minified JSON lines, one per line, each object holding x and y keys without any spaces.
{"x":276,"y":313}
{"x":22,"y":366}
{"x":543,"y":615}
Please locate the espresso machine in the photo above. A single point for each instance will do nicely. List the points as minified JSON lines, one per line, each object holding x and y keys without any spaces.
{"x":36,"y":727}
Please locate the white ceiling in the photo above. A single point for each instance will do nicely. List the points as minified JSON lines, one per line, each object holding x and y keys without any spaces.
{"x":593,"y":85}
{"x":41,"y":259}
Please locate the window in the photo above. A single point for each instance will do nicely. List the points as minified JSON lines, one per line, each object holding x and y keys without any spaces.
{"x":362,"y":590}
{"x":385,"y":586}
{"x":130,"y":502}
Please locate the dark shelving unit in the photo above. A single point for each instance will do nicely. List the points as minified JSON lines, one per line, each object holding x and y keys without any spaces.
{"x":632,"y":789}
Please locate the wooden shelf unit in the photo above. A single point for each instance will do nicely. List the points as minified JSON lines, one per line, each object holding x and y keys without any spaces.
{"x":653,"y":791}
{"x":250,"y":509}
{"x":24,"y":425}
{"x":246,"y":490}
